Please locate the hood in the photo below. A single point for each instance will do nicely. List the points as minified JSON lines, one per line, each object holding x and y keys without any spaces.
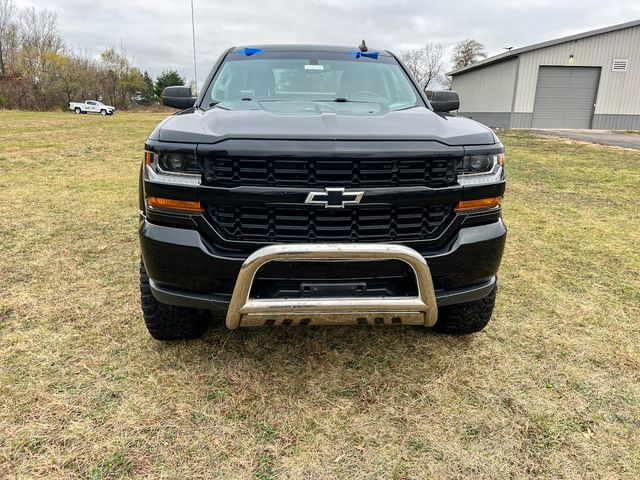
{"x":319,"y":121}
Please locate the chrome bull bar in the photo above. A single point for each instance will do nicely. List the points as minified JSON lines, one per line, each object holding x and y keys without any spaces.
{"x":416,"y":310}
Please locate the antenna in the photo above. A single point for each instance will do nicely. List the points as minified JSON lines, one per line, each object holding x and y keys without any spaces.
{"x":508,"y":49}
{"x":193,"y":36}
{"x":363,"y":47}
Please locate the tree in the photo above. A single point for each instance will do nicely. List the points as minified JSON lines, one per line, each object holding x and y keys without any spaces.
{"x":466,"y":52}
{"x":68,"y":77}
{"x":87,"y":72}
{"x":132,"y":83}
{"x":148,"y":91}
{"x":39,"y":59}
{"x":114,"y":68}
{"x":168,"y":78}
{"x":78,"y":75}
{"x":39,"y":30}
{"x":425,"y":64}
{"x":38,"y":72}
{"x":7,"y":31}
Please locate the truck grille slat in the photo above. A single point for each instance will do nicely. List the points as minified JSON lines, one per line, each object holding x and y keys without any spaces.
{"x":291,"y":172}
{"x":309,"y":224}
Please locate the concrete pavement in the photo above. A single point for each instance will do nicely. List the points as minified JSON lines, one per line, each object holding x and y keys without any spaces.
{"x":602,"y":137}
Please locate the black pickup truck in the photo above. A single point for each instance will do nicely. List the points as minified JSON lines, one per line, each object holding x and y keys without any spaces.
{"x":310,"y":185}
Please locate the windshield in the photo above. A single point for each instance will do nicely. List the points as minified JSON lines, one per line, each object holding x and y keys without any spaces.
{"x":311,"y":76}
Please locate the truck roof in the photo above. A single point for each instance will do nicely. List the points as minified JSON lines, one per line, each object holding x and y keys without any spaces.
{"x":310,"y":48}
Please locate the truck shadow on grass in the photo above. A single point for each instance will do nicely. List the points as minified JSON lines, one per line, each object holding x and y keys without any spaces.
{"x":312,"y":361}
{"x":309,"y":342}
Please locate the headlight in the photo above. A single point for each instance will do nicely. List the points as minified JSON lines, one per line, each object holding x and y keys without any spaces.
{"x":477,"y":169}
{"x":172,"y":168}
{"x":178,"y":163}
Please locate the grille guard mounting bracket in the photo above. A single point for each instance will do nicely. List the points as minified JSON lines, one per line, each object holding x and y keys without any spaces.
{"x":417,"y":310}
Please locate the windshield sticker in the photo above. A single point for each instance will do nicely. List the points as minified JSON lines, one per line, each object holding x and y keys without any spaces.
{"x":314,"y":67}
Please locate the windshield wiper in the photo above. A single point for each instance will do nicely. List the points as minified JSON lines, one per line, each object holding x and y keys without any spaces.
{"x":404,"y":108}
{"x":216,"y":102}
{"x":346,"y":100}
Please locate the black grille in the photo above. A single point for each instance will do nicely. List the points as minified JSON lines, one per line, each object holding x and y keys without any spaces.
{"x":311,"y":224}
{"x":309,"y":172}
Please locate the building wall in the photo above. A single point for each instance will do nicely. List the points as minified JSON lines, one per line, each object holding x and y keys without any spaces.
{"x":486,"y":94}
{"x":618,"y":99}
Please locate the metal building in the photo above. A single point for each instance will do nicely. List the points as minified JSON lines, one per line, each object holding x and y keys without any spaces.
{"x":588,"y":80}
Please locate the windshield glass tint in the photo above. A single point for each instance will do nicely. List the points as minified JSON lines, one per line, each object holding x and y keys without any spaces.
{"x":312,"y":76}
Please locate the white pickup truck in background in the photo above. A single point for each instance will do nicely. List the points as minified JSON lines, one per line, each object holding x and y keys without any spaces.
{"x":92,"y":106}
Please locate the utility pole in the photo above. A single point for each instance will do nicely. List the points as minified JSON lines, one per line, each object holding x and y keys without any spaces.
{"x":193,"y":36}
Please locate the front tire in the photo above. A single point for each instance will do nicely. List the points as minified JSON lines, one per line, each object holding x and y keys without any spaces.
{"x":167,"y":322}
{"x":466,"y":318}
{"x":103,"y":112}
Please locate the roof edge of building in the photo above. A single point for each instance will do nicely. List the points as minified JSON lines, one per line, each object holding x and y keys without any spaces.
{"x":536,"y":46}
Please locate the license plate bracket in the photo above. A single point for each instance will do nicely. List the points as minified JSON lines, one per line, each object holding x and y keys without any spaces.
{"x":332,"y":289}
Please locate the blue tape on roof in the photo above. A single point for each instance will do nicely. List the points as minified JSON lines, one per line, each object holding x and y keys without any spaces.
{"x":373,"y":55}
{"x":249,"y":51}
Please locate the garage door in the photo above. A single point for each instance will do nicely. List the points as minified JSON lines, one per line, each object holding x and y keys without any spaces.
{"x":565,"y":97}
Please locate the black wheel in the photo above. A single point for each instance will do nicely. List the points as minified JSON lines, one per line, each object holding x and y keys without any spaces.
{"x":77,"y":110}
{"x":166,"y":322}
{"x":466,"y":318}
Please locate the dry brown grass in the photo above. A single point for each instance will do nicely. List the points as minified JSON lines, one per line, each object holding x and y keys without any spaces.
{"x":551,"y":389}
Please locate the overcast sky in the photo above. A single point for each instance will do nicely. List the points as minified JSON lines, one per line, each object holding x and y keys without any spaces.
{"x":157,"y":34}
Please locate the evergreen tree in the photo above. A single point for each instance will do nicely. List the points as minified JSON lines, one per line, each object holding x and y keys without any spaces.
{"x":168,"y":78}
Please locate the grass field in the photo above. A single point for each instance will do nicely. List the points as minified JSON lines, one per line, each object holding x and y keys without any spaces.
{"x":550,"y":389}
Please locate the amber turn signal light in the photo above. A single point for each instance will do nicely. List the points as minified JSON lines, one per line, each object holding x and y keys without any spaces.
{"x":177,"y":205}
{"x":148,"y":157}
{"x":480,"y":204}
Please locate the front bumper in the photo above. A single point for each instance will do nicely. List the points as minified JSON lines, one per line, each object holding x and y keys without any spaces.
{"x":419,"y":309}
{"x":185,"y":270}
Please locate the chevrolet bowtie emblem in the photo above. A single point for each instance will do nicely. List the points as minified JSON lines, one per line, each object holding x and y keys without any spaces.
{"x":334,"y":198}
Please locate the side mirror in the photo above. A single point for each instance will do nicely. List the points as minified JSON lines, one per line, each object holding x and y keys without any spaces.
{"x":444,"y":100}
{"x":178,"y":97}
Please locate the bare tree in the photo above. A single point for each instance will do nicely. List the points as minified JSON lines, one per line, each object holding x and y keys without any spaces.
{"x":41,"y":53}
{"x":7,"y":12}
{"x":39,"y":31}
{"x":425,"y":64}
{"x":466,"y":52}
{"x":78,"y":75}
{"x":120,"y":78}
